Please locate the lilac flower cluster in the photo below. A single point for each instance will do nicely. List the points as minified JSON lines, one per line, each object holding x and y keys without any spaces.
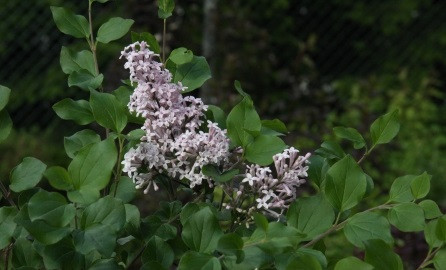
{"x":172,"y":144}
{"x":272,"y":194}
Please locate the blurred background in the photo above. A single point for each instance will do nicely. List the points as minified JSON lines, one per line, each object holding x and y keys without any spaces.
{"x":314,"y":64}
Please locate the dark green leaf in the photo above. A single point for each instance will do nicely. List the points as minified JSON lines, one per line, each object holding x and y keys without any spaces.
{"x":107,"y":111}
{"x":69,"y":23}
{"x":430,"y":208}
{"x":79,"y":111}
{"x":114,"y":29}
{"x":99,"y":237}
{"x":381,"y":256}
{"x":126,"y":190}
{"x":4,"y":96}
{"x":202,"y":231}
{"x":5,"y":125}
{"x":311,"y":216}
{"x":84,"y":196}
{"x":217,"y":115}
{"x":243,"y":117}
{"x":192,"y":260}
{"x":158,"y":250}
{"x":188,"y":210}
{"x":149,"y":39}
{"x":275,"y":125}
{"x":84,"y":80}
{"x":330,"y":150}
{"x":231,"y":244}
{"x":50,"y":207}
{"x":78,"y":140}
{"x":352,"y":263}
{"x":7,"y":225}
{"x":366,"y":226}
{"x":213,"y":172}
{"x":105,"y":264}
{"x":71,"y":61}
{"x":263,"y":148}
{"x":440,"y":230}
{"x":192,"y":74}
{"x":304,"y":262}
{"x":420,"y":185}
{"x":317,"y":169}
{"x":345,"y":184}
{"x":350,"y":134}
{"x":430,"y":234}
{"x":62,"y":255}
{"x":24,"y":255}
{"x":27,"y":174}
{"x":407,"y":217}
{"x":385,"y":128}
{"x":106,"y":211}
{"x":58,"y":178}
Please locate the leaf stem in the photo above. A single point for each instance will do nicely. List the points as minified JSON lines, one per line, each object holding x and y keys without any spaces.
{"x":164,"y":41}
{"x":6,"y":194}
{"x":118,"y":165}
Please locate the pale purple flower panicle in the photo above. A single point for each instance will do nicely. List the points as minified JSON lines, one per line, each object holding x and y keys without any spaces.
{"x":172,"y":144}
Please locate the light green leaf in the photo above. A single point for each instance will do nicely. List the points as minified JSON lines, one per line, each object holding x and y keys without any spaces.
{"x":106,"y":211}
{"x":107,"y":111}
{"x":275,"y":125}
{"x":79,"y":111}
{"x":407,"y":217}
{"x":400,"y":190}
{"x":58,"y":178}
{"x":350,"y":134}
{"x":440,"y":260}
{"x":50,"y":207}
{"x":71,"y":61}
{"x":202,"y":231}
{"x":263,"y":148}
{"x":181,"y":56}
{"x":304,"y":262}
{"x":345,"y":184}
{"x":381,"y":256}
{"x":83,"y":196}
{"x":158,"y":250}
{"x":78,"y":140}
{"x":5,"y":125}
{"x":192,"y":260}
{"x":84,"y":80}
{"x":7,"y":225}
{"x":385,"y":128}
{"x":352,"y":263}
{"x":311,"y":216}
{"x":149,"y":39}
{"x":165,"y":8}
{"x":440,"y":230}
{"x":366,"y":226}
{"x":114,"y":29}
{"x":241,"y":118}
{"x":430,"y":234}
{"x":4,"y":96}
{"x":420,"y":185}
{"x":192,"y":74}
{"x":430,"y":208}
{"x":217,"y":115}
{"x":69,"y":23}
{"x":27,"y":174}
{"x":93,"y":165}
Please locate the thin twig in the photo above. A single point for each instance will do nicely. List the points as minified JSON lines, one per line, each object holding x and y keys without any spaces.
{"x":429,"y":256}
{"x":164,"y":40}
{"x":6,"y":194}
{"x":118,"y":166}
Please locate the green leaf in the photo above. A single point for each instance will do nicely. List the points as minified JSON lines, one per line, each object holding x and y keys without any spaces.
{"x":345,"y":184}
{"x":430,"y":208}
{"x":165,"y":8}
{"x":420,"y":185}
{"x":192,"y":74}
{"x":275,"y":125}
{"x":4,"y":96}
{"x":39,"y":229}
{"x":71,"y":61}
{"x":407,"y":217}
{"x":440,"y":230}
{"x":400,"y":190}
{"x":50,"y":207}
{"x":106,"y":211}
{"x":24,"y":256}
{"x":149,"y":39}
{"x":350,"y":134}
{"x":114,"y":29}
{"x":352,"y":263}
{"x":243,"y":117}
{"x":440,"y":260}
{"x":158,"y":250}
{"x":61,"y":255}
{"x":181,"y":56}
{"x":105,"y":264}
{"x":107,"y":111}
{"x":213,"y":172}
{"x":126,"y":190}
{"x":27,"y":174}
{"x":58,"y":178}
{"x":7,"y":225}
{"x":430,"y":234}
{"x":263,"y":148}
{"x":385,"y":128}
{"x":311,"y":216}
{"x":188,"y":210}
{"x":366,"y":226}
{"x":304,"y":262}
{"x":99,"y":237}
{"x":169,"y":211}
{"x":93,"y":165}
{"x":192,"y":260}
{"x":330,"y":150}
{"x":69,"y":23}
{"x":84,"y":196}
{"x":231,"y":244}
{"x":152,"y":265}
{"x":78,"y":140}
{"x":381,"y":256}
{"x":217,"y":115}
{"x":5,"y":125}
{"x":202,"y":231}
{"x":100,"y":1}
{"x":238,"y":87}
{"x":79,"y":111}
{"x":84,"y":80}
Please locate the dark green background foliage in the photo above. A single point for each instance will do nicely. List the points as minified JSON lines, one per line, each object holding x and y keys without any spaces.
{"x":313,"y":64}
